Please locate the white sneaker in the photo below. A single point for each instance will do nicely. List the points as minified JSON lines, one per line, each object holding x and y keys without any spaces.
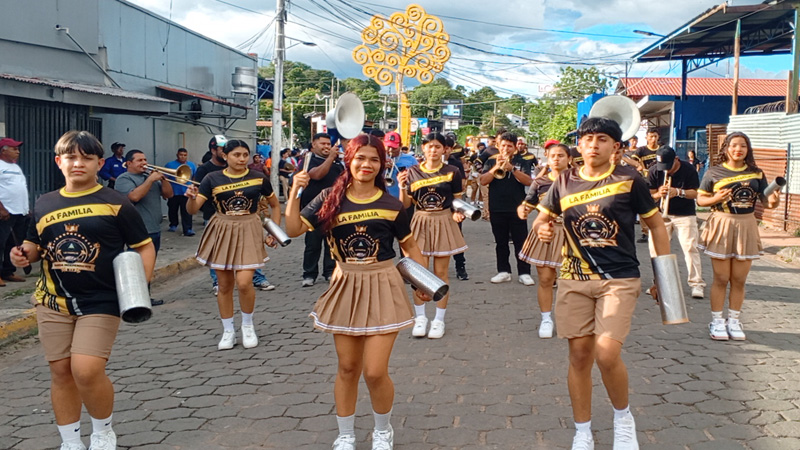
{"x":228,"y":340}
{"x":697,"y":292}
{"x":345,"y":442}
{"x":308,"y":282}
{"x":583,"y":441}
{"x":383,"y":440}
{"x":103,"y":440}
{"x":420,"y":326}
{"x":625,"y":434}
{"x":72,"y":446}
{"x":501,"y":277}
{"x":546,"y":329}
{"x":215,"y":290}
{"x":249,"y":338}
{"x":735,"y":330}
{"x":717,"y":330}
{"x":437,"y":329}
{"x":526,"y":280}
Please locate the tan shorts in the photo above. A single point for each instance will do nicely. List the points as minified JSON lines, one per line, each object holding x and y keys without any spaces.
{"x":62,"y":335}
{"x":599,"y":307}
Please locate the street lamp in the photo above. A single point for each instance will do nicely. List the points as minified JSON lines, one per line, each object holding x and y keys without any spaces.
{"x":300,"y":41}
{"x":648,"y":33}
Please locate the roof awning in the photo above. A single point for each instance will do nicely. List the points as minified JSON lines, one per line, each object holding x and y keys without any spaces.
{"x":766,"y":29}
{"x":195,"y":105}
{"x":654,"y":107}
{"x":61,"y":91}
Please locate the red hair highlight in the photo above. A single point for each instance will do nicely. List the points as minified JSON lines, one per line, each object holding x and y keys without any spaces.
{"x":333,"y":203}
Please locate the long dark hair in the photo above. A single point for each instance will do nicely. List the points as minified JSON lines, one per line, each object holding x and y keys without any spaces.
{"x":749,"y":159}
{"x":333,"y":203}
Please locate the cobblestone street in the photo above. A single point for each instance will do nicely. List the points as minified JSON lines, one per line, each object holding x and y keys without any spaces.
{"x":490,"y":383}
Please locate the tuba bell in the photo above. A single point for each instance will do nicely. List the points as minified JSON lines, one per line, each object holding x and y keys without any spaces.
{"x":346,"y":120}
{"x":620,"y":109}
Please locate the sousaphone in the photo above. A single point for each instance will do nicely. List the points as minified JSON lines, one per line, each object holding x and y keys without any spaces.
{"x":620,"y":109}
{"x":346,"y":120}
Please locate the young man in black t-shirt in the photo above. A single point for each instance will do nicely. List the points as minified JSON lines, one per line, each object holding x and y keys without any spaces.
{"x":454,"y":159}
{"x":77,"y":232}
{"x":681,"y":215}
{"x":506,"y":174}
{"x":599,"y":281}
{"x":323,"y":168}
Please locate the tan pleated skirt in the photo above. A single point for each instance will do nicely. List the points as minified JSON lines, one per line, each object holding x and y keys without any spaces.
{"x":543,"y":254}
{"x":232,"y":243}
{"x":728,"y":236}
{"x":364,"y":300}
{"x":437,"y":234}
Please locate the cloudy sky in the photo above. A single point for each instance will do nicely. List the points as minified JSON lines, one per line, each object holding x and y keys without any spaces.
{"x":540,"y":35}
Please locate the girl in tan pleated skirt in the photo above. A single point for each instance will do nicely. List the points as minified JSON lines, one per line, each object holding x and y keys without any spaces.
{"x":730,"y":236}
{"x":431,"y":187}
{"x":233,"y":242}
{"x":546,"y":256}
{"x":366,"y":304}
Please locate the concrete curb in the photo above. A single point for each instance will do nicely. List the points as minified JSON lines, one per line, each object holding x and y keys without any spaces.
{"x":18,"y":326}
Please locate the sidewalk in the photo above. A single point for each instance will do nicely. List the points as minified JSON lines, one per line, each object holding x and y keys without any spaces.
{"x":17,"y":317}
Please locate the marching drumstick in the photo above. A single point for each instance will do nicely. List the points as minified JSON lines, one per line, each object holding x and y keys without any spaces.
{"x":306,"y":162}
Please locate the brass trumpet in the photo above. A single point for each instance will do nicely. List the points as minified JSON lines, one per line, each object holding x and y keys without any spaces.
{"x":500,"y":173}
{"x":182,"y":174}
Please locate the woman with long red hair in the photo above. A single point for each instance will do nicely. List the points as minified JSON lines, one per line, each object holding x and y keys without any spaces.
{"x":366,"y":304}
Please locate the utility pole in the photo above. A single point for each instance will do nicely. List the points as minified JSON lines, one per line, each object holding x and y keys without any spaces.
{"x":277,"y":101}
{"x":291,"y":125}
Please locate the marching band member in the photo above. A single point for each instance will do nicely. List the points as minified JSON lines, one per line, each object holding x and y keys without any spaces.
{"x":432,"y":186}
{"x":77,"y":232}
{"x":546,"y":256}
{"x":366,"y":304}
{"x":507,"y":175}
{"x":599,"y":281}
{"x":232,"y":241}
{"x":730,"y":236}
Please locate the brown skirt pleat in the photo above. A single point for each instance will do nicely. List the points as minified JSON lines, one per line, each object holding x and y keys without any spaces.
{"x":232,"y":243}
{"x":437,"y":234}
{"x":731,"y":236}
{"x":543,"y":254}
{"x":364,"y":300}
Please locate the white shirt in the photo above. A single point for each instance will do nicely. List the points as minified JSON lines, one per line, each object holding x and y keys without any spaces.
{"x":13,"y":188}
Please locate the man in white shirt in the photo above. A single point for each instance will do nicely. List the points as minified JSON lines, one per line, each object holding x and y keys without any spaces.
{"x":13,"y":207}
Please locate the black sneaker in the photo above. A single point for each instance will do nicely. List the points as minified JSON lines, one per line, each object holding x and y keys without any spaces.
{"x":643,"y":239}
{"x":154,"y":302}
{"x":461,"y":273}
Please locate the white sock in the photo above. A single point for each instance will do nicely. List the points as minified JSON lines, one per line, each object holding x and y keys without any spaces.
{"x":547,"y":316}
{"x":585,"y":427}
{"x":101,"y":424}
{"x":382,"y":420}
{"x":716,"y":316}
{"x":227,"y":324}
{"x":622,"y":413}
{"x":247,"y":319}
{"x":419,"y":310}
{"x":347,"y":425}
{"x":733,"y":314}
{"x":70,"y":433}
{"x":440,"y":314}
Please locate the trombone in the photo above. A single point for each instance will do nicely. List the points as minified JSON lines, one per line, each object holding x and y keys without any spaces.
{"x":665,"y":198}
{"x":182,"y":174}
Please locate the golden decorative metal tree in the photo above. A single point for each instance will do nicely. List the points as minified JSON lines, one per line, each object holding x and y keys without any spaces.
{"x":407,"y":44}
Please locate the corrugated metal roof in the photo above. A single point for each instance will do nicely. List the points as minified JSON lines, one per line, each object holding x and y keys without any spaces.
{"x":201,"y":96}
{"x":748,"y":87}
{"x":88,"y":88}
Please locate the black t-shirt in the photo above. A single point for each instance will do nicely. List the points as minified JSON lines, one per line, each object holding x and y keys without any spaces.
{"x":487,"y":153}
{"x":599,"y":215}
{"x":747,"y":184}
{"x":235,"y":195}
{"x":316,"y":186}
{"x":684,"y":178}
{"x":646,"y":156}
{"x":455,"y":161}
{"x":538,"y":189}
{"x":507,"y":193}
{"x":80,"y":234}
{"x":433,"y":190}
{"x":205,"y":169}
{"x":364,"y":230}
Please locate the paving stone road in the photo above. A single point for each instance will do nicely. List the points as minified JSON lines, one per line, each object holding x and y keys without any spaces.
{"x":490,"y":383}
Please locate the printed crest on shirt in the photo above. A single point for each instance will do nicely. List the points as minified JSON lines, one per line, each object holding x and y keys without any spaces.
{"x":73,"y":252}
{"x":594,"y":229}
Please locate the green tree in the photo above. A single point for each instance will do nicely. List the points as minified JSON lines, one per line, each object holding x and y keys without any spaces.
{"x":556,"y":113}
{"x":429,"y":97}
